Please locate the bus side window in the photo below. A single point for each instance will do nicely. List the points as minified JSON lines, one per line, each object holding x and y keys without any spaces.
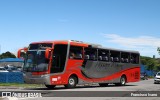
{"x":86,"y":57}
{"x":115,"y":56}
{"x":103,"y":55}
{"x":125,"y":57}
{"x":92,"y":57}
{"x":104,"y":58}
{"x":111,"y":59}
{"x":135,"y":58}
{"x":90,"y":54}
{"x":100,"y":58}
{"x":75,"y":52}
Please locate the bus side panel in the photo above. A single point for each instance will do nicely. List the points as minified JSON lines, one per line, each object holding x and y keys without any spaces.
{"x":74,"y":67}
{"x":59,"y":79}
{"x":71,"y":68}
{"x":133,"y":75}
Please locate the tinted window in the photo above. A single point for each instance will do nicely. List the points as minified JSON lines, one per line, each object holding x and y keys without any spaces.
{"x":103,"y":55}
{"x":125,"y":57}
{"x":75,"y":52}
{"x":115,"y":56}
{"x":134,"y":58}
{"x":41,"y":46}
{"x":90,"y":54}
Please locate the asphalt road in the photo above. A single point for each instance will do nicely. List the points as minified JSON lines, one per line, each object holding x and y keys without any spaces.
{"x":146,"y":89}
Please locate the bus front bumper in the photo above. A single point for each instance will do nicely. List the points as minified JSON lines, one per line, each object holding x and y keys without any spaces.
{"x":40,"y":79}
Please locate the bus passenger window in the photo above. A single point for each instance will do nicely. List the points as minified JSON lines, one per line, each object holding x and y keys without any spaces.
{"x":72,"y":55}
{"x":103,"y":55}
{"x":125,"y":57}
{"x":126,"y":60}
{"x":111,"y":59}
{"x":122,"y":60}
{"x":92,"y":57}
{"x":115,"y":56}
{"x":79,"y":56}
{"x":75,"y":52}
{"x":116,"y":59}
{"x":135,"y":58}
{"x":90,"y":54}
{"x":132,"y":60}
{"x":105,"y":58}
{"x":86,"y":57}
{"x":100,"y":58}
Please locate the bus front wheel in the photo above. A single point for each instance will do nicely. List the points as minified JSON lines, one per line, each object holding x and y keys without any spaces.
{"x":72,"y":81}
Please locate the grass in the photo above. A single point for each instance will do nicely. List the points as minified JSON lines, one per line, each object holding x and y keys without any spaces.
{"x":150,"y":76}
{"x":21,"y":85}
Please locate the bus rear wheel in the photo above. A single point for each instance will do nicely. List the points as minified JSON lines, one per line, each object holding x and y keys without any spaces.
{"x":103,"y":84}
{"x":50,"y":86}
{"x":72,"y":82}
{"x":122,"y":81}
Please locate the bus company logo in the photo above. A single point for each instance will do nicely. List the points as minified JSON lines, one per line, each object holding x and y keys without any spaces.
{"x":20,"y":95}
{"x":6,"y":94}
{"x":103,"y":66}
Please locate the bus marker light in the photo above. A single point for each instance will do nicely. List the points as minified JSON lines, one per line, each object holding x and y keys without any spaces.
{"x":59,"y":77}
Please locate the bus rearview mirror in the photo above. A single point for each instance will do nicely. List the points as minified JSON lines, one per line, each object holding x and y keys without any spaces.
{"x":21,"y":52}
{"x":48,"y":53}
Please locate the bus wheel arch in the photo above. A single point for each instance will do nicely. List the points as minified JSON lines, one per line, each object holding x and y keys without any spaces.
{"x":72,"y":81}
{"x":123,"y":81}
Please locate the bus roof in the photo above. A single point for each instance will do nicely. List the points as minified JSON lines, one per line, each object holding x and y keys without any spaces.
{"x":75,"y":42}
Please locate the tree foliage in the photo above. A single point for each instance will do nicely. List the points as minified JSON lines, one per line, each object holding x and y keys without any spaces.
{"x":151,"y":63}
{"x":7,"y":55}
{"x":158,"y":49}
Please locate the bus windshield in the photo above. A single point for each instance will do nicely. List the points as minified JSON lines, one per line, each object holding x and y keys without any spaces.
{"x":35,"y":61}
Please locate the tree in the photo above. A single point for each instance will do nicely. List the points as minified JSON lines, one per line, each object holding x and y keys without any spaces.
{"x":144,"y":60}
{"x":158,"y":49}
{"x":151,"y":63}
{"x":7,"y":55}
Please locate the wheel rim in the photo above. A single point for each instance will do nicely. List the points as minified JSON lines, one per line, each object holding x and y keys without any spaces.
{"x":71,"y":81}
{"x":123,"y":81}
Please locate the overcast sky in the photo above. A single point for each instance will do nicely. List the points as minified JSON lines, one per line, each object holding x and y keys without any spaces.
{"x":121,"y":24}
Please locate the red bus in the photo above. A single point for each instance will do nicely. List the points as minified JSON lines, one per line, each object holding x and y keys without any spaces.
{"x":73,"y":62}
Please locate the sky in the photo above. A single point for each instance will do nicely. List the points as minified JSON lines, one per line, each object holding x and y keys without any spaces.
{"x":120,"y":24}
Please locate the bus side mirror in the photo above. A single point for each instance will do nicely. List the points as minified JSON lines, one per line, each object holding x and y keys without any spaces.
{"x":21,"y":52}
{"x":48,"y":53}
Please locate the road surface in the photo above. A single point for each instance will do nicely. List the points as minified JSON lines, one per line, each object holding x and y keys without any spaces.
{"x":143,"y":90}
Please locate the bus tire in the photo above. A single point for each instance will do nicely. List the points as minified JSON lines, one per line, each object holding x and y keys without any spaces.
{"x":122,"y":81}
{"x":103,"y":84}
{"x":72,"y":82}
{"x":50,"y":86}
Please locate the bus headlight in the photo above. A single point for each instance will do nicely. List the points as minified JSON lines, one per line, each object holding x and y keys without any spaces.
{"x":43,"y":75}
{"x":59,"y":77}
